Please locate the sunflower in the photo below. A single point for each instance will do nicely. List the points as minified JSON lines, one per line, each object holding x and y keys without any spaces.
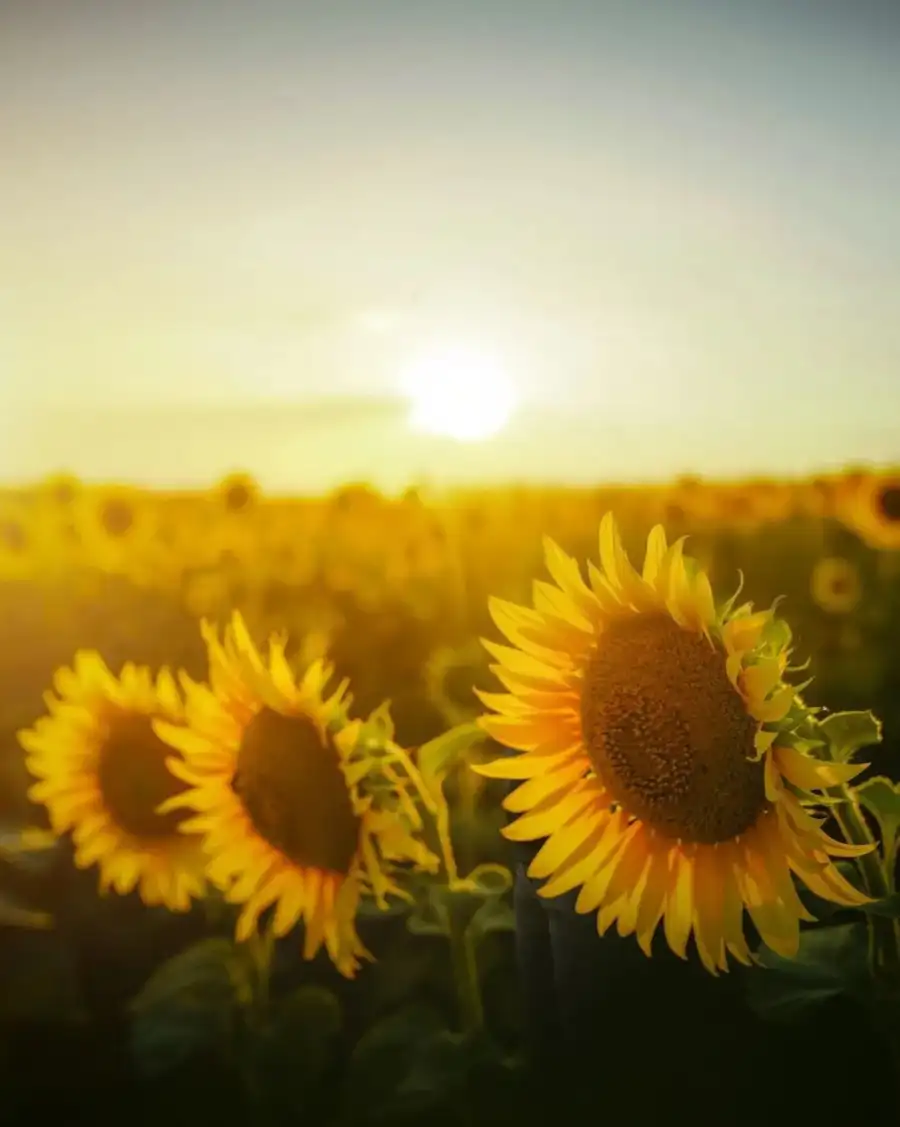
{"x":117,"y":528}
{"x":103,"y":776}
{"x":659,"y":756}
{"x":815,"y":496}
{"x":690,"y":500}
{"x":238,"y":493}
{"x":59,"y":490}
{"x":17,"y":556}
{"x":870,"y":505}
{"x":279,"y":785}
{"x":835,"y":585}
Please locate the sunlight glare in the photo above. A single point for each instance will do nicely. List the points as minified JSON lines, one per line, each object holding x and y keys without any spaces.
{"x":459,"y":393}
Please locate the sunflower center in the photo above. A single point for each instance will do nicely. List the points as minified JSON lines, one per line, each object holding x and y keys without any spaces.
{"x":238,"y":496}
{"x":889,"y":502}
{"x":13,"y":536}
{"x":134,"y":779}
{"x":291,"y":784}
{"x":117,"y":517}
{"x":668,"y":733}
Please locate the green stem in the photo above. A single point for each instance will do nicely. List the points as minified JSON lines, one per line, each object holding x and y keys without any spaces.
{"x":462,"y":949}
{"x":465,"y":973}
{"x":262,"y":951}
{"x":884,"y":939}
{"x":260,"y":948}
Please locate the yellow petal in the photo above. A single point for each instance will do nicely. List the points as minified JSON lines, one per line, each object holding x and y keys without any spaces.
{"x":541,"y":822}
{"x":813,"y":774}
{"x":679,"y":911}
{"x":541,"y":788}
{"x":622,"y":577}
{"x":655,"y":554}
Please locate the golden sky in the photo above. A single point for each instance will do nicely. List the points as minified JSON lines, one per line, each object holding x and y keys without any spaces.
{"x":676,"y":223}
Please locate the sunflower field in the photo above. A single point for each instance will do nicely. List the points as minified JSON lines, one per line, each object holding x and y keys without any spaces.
{"x":270,"y":766}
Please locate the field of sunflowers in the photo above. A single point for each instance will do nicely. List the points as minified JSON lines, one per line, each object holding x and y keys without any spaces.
{"x":257,"y":836}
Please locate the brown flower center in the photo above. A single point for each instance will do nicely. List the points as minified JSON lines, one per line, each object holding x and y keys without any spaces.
{"x":294,"y":791}
{"x":889,"y":503}
{"x":238,"y":495}
{"x":667,"y":732}
{"x":134,"y":779}
{"x":117,"y":517}
{"x":13,"y":536}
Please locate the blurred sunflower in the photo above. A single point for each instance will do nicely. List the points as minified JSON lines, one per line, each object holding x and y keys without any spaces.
{"x":659,"y":755}
{"x":815,"y":496}
{"x":739,"y":506}
{"x":103,"y":776}
{"x":16,"y":540}
{"x":206,"y":593}
{"x":117,"y":529}
{"x":773,"y":499}
{"x":30,"y":543}
{"x":835,"y":585}
{"x":237,"y":493}
{"x":691,"y":500}
{"x":59,"y":490}
{"x":288,"y":535}
{"x":280,"y":792}
{"x":870,"y":505}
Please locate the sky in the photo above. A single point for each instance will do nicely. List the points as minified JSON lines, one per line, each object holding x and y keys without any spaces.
{"x":226,"y":228}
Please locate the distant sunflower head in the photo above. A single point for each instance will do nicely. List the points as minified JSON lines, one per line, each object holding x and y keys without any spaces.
{"x":116,"y":528}
{"x":238,"y":493}
{"x":870,"y":505}
{"x":815,"y":496}
{"x":658,"y":754}
{"x":278,"y":781}
{"x":835,"y":585}
{"x":690,"y":500}
{"x":740,"y":506}
{"x":17,"y":540}
{"x":60,"y":490}
{"x":102,"y":775}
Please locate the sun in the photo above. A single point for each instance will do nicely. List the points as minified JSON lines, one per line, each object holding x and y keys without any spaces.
{"x":459,"y":392}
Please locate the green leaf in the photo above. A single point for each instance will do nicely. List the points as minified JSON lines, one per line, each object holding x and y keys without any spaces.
{"x":491,"y":879}
{"x":13,"y":914}
{"x":298,"y":1043}
{"x":494,"y":915}
{"x":831,"y":961}
{"x":889,"y":907}
{"x":408,"y":970}
{"x":190,"y":1003}
{"x":428,"y":917}
{"x":441,"y":907}
{"x":439,"y":755}
{"x":26,"y":841}
{"x":382,"y":1059}
{"x":849,"y":732}
{"x":447,"y":1067}
{"x":39,"y":980}
{"x":881,"y":797}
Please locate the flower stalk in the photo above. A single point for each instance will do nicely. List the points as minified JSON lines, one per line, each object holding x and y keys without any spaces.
{"x":884,"y":939}
{"x":462,"y":945}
